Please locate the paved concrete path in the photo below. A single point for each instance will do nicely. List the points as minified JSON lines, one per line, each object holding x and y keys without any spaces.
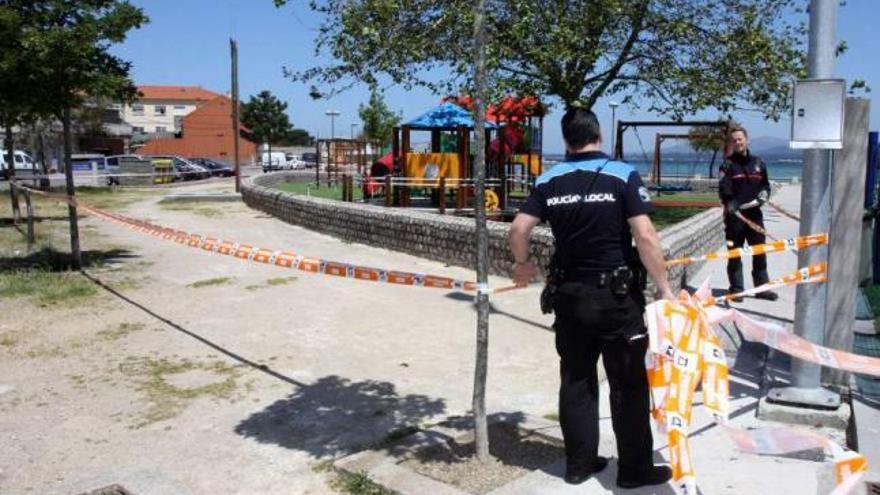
{"x":721,"y":469}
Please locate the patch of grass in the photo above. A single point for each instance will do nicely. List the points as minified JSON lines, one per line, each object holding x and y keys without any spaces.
{"x":272,"y":282}
{"x":358,"y":484}
{"x":551,"y":417}
{"x":167,"y":400}
{"x":46,"y":288}
{"x":196,"y":208}
{"x":872,"y":293}
{"x":112,"y":198}
{"x":211,"y":281}
{"x":308,"y":188}
{"x":10,"y":339}
{"x":323,"y":466}
{"x":119,"y":331}
{"x":688,"y":196}
{"x":664,"y":217}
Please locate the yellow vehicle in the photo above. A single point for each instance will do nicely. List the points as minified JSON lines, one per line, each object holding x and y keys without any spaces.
{"x":163,"y":170}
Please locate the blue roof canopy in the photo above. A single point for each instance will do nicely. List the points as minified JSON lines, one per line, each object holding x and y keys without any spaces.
{"x":445,"y":116}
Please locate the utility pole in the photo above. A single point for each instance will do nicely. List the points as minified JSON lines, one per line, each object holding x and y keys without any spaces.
{"x":233,"y":46}
{"x":810,"y":301}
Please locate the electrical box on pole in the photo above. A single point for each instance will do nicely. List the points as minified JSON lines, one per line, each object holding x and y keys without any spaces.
{"x":817,"y":114}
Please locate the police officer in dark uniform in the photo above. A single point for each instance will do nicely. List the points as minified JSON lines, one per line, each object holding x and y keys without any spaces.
{"x":743,"y":188}
{"x":596,"y":207}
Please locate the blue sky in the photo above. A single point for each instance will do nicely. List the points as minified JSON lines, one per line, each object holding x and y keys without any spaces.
{"x":187,"y":43}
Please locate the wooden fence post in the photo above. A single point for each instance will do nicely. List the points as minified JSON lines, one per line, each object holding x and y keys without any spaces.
{"x":442,"y":198}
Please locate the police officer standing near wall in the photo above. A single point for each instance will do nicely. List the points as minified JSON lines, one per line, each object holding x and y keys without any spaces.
{"x":595,"y":207}
{"x":744,"y":188}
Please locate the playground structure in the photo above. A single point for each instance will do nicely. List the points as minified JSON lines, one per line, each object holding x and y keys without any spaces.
{"x":341,"y":156}
{"x":513,"y":155}
{"x":656,"y":177}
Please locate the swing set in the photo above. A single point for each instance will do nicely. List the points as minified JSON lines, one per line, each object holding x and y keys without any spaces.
{"x":656,"y":163}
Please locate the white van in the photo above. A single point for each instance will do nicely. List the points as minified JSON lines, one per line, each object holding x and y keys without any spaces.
{"x":23,"y":163}
{"x":277,"y":160}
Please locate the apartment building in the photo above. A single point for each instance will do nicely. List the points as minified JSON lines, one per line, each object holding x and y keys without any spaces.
{"x":161,"y":109}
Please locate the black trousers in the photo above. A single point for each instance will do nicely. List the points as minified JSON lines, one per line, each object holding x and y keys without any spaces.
{"x":591,"y":321}
{"x":737,"y":233}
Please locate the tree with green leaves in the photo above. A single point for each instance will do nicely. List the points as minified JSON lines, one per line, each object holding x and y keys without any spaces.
{"x":64,"y":55}
{"x":266,"y":119}
{"x":674,"y":57}
{"x":378,"y":120}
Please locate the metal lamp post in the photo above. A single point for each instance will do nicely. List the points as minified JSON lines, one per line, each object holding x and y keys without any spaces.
{"x":613,"y":105}
{"x":333,"y":114}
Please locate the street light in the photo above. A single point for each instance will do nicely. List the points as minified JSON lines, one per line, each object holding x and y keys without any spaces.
{"x":353,"y":125}
{"x":333,"y":114}
{"x":613,"y":105}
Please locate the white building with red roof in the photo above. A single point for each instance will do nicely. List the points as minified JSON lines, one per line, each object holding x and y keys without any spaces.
{"x":160,"y":109}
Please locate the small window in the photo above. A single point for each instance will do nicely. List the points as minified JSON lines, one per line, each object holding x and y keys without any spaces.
{"x":178,"y":122}
{"x":160,"y":128}
{"x":180,"y":107}
{"x":137,"y":109}
{"x":19,"y":159}
{"x":113,"y":162}
{"x":159,"y":110}
{"x":137,"y":130}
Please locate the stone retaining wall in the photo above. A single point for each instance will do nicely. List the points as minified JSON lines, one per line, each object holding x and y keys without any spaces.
{"x":442,"y":237}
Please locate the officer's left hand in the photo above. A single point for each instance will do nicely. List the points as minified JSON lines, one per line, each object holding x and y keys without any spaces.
{"x":763,"y":196}
{"x":523,"y":273}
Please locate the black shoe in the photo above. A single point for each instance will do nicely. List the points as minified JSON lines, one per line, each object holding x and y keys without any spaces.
{"x":734,"y":299}
{"x":768,"y":295}
{"x":576,"y":477}
{"x":656,"y":475}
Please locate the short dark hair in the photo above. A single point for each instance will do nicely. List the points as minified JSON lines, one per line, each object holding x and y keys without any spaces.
{"x":580,"y":127}
{"x":738,"y":128}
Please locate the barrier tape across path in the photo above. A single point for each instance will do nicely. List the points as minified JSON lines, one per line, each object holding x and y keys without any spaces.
{"x":792,"y":244}
{"x":683,"y":349}
{"x":284,"y":259}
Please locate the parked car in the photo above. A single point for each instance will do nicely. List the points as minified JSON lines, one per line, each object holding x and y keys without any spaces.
{"x":215,"y":167}
{"x":185,"y":169}
{"x":24,"y":164}
{"x":310,"y":160}
{"x":112,"y":166}
{"x":295,"y":164}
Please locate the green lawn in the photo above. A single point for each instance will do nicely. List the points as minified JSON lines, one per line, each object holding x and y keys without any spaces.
{"x":687,"y":196}
{"x":664,"y":217}
{"x":323,"y":191}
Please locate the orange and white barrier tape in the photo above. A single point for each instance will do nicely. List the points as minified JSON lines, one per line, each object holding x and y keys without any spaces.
{"x":792,"y":244}
{"x":284,"y":259}
{"x":684,"y":352}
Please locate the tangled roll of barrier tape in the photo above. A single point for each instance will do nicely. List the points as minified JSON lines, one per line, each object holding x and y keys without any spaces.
{"x":684,"y":352}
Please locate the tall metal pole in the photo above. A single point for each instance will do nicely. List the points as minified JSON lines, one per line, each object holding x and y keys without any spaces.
{"x":809,"y":319}
{"x":613,"y":106}
{"x":333,"y":114}
{"x":481,"y":429}
{"x":235,"y":119}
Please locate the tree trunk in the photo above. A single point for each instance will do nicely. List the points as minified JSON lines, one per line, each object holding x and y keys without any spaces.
{"x":481,"y":430}
{"x":75,"y":256}
{"x":10,"y":171}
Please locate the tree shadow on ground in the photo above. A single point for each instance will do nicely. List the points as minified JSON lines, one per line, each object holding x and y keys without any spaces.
{"x":508,"y":443}
{"x":49,"y":259}
{"x":335,"y":416}
{"x":493,"y":310}
{"x":6,"y":222}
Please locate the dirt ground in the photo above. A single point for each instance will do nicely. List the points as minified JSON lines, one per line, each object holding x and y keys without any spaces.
{"x":178,"y":371}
